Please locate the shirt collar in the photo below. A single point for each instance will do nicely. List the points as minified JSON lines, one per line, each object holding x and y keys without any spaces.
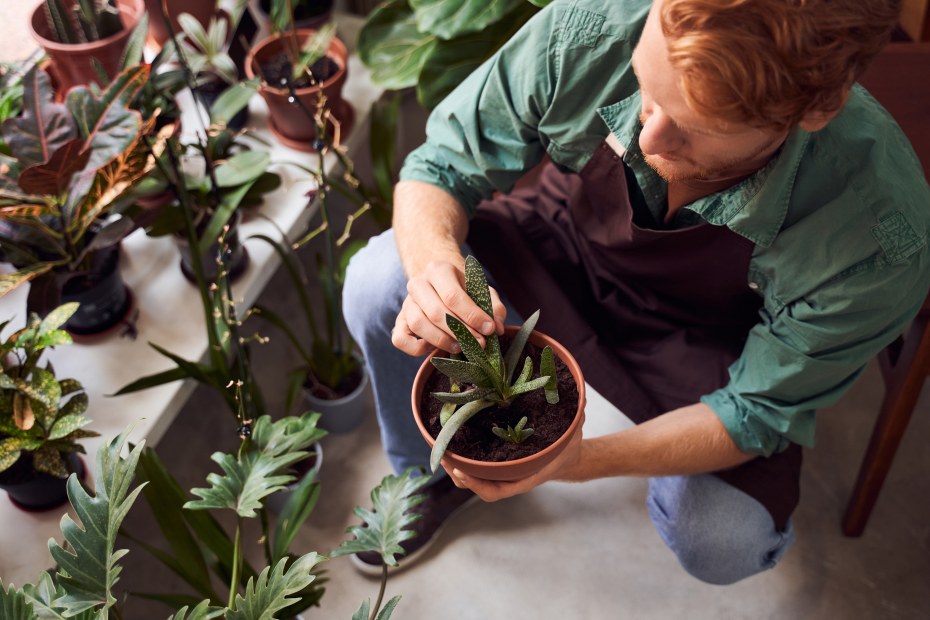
{"x":754,"y":208}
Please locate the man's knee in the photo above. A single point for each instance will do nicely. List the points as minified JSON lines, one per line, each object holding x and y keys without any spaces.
{"x":374,"y":287}
{"x":719,"y":534}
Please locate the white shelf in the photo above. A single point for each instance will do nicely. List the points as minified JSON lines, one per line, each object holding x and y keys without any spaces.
{"x":170,"y":315}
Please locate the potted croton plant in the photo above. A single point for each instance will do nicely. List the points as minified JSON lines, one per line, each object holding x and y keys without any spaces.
{"x":491,"y":415}
{"x":41,"y":416}
{"x":61,"y":191}
{"x":302,"y":74}
{"x":84,"y":37}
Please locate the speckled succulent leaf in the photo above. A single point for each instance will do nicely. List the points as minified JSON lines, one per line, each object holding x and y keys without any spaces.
{"x":14,"y":604}
{"x":57,"y":317}
{"x":476,"y":285}
{"x":461,"y":371}
{"x":461,"y":398}
{"x":547,"y":367}
{"x":448,"y":409}
{"x":514,"y":434}
{"x":527,"y":371}
{"x":202,"y":611}
{"x":529,"y":386}
{"x":48,"y":460}
{"x":386,"y":523}
{"x":458,"y":419}
{"x":89,"y":572}
{"x":474,"y":353}
{"x":512,"y":358}
{"x":272,"y":590}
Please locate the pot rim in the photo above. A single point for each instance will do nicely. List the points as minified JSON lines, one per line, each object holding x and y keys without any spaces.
{"x":348,"y":397}
{"x":538,"y":338}
{"x":340,"y":57}
{"x":133,"y":9}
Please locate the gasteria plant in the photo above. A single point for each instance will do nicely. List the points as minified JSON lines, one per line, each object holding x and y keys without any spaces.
{"x":486,"y":369}
{"x":39,"y":413}
{"x":80,"y":21}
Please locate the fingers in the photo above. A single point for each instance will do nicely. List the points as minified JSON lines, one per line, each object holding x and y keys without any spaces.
{"x":416,"y":335}
{"x":500,"y":312}
{"x":440,"y":290}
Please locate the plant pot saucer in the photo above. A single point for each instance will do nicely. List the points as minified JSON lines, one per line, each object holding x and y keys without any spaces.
{"x":126,"y":321}
{"x":343,"y":111}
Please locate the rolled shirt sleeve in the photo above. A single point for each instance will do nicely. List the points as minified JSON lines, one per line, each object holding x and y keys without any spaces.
{"x":809,"y":353}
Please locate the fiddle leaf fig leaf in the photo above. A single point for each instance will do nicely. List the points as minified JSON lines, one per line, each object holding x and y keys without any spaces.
{"x":448,"y":19}
{"x":271,"y":591}
{"x":89,"y":569}
{"x":43,"y":127}
{"x":385,"y":525}
{"x":391,"y":45}
{"x":547,"y":367}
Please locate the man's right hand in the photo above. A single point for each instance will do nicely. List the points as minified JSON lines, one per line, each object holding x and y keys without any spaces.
{"x":439,"y":289}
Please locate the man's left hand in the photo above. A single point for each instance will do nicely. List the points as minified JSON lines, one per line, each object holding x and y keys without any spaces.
{"x":491,"y":490}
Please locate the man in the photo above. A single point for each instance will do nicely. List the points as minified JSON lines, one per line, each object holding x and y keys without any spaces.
{"x":729,"y":229}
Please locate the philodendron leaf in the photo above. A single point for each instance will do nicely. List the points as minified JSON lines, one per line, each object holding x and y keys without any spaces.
{"x":14,"y":604}
{"x":476,"y":285}
{"x":272,"y":590}
{"x":392,"y":47}
{"x":547,"y":367}
{"x":260,"y":469}
{"x":89,"y":572}
{"x":202,"y":611}
{"x":385,"y":524}
{"x":45,"y":597}
{"x":512,"y":358}
{"x":458,"y":419}
{"x":448,"y":19}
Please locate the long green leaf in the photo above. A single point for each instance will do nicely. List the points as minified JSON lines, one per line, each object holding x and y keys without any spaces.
{"x":547,"y":367}
{"x":514,"y":351}
{"x":461,"y":371}
{"x":232,"y":101}
{"x":296,"y":510}
{"x":462,"y":398}
{"x":161,"y":378}
{"x":388,"y":609}
{"x":386,"y":524}
{"x":523,"y":388}
{"x":89,"y":572}
{"x":476,"y":285}
{"x":458,"y":419}
{"x":272,"y":590}
{"x":472,"y":349}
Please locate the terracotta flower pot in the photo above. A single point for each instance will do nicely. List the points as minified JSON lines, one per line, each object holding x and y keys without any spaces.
{"x":202,"y":10}
{"x":520,"y":468}
{"x":71,"y":62}
{"x":291,"y":124}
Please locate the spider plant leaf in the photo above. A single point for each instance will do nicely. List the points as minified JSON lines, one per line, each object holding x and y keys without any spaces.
{"x":458,"y":419}
{"x":517,"y":344}
{"x":547,"y":367}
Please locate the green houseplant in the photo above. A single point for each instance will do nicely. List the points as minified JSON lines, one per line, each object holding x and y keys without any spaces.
{"x":487,"y":381}
{"x":41,"y":416}
{"x":60,"y":194}
{"x":83,"y":587}
{"x":84,"y":38}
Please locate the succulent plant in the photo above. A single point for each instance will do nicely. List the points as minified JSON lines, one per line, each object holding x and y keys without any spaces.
{"x":486,"y":369}
{"x":514,"y":434}
{"x":80,"y":21}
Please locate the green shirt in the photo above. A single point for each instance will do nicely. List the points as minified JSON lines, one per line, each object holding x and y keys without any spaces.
{"x":839,"y":218}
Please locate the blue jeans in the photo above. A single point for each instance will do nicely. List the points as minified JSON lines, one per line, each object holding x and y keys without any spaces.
{"x":719,"y":534}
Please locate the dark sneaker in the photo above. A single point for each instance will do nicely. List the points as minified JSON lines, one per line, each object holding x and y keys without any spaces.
{"x":443,"y":501}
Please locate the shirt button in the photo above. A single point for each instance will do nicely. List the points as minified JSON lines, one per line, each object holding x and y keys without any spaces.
{"x":754,"y":286}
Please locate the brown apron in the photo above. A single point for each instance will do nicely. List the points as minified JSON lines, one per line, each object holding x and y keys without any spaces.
{"x":654,"y":317}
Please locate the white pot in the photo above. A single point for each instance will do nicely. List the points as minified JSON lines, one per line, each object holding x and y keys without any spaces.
{"x":345,"y":414}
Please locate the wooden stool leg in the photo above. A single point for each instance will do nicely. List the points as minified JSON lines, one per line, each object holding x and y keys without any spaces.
{"x":903,"y":389}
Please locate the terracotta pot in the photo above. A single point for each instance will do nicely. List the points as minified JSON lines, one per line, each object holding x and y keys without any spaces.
{"x":520,"y":468}
{"x":291,"y":124}
{"x":202,"y":10}
{"x":71,"y":62}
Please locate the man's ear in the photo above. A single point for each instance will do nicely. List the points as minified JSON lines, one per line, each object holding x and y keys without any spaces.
{"x":817,"y":119}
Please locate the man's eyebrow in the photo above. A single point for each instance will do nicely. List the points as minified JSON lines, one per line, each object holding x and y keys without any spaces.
{"x":703,"y":132}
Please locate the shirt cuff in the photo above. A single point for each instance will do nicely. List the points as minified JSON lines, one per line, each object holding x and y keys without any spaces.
{"x":750,"y":434}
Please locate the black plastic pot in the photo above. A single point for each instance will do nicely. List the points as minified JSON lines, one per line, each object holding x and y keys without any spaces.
{"x":307,"y":13}
{"x":207,"y":94}
{"x":35,"y":491}
{"x":104,"y":297}
{"x":236,"y":255}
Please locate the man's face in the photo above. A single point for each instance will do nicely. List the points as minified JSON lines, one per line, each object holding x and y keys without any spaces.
{"x":679,"y":143}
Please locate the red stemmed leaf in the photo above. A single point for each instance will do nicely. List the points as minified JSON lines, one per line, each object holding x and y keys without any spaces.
{"x":44,"y":125}
{"x":54,"y":177}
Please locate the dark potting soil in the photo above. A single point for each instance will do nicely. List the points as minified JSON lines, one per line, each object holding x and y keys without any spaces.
{"x":279,"y":67}
{"x":476,"y":440}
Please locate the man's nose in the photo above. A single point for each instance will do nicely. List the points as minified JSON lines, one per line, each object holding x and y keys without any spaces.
{"x":660,"y":134}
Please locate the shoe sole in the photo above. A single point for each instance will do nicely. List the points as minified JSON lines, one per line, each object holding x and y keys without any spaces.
{"x":407,"y":560}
